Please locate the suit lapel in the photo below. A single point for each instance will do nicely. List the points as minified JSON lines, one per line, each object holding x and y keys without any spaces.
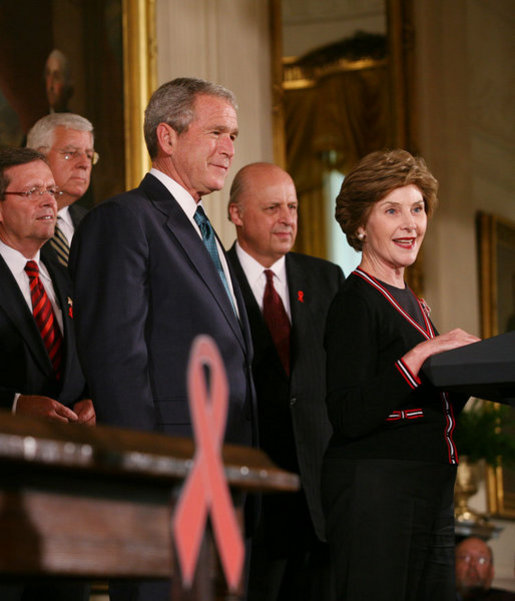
{"x":15,"y":307}
{"x":242,"y":308}
{"x":184,"y":233}
{"x":254,"y":314}
{"x":299,"y":292}
{"x":77,"y":212}
{"x":261,"y":337}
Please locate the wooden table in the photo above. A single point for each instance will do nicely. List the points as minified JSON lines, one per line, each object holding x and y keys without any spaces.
{"x":96,"y":503}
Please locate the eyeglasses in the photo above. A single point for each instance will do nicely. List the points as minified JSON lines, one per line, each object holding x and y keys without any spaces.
{"x":71,"y":155}
{"x":37,"y":190}
{"x":481,"y":560}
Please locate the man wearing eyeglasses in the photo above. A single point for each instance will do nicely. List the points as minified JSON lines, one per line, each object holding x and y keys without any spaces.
{"x":40,"y":375}
{"x":475,"y":572}
{"x":67,"y":141}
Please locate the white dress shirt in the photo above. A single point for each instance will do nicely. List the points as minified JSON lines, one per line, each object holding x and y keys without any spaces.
{"x":255,"y":273}
{"x":65,"y":223}
{"x":16,"y":263}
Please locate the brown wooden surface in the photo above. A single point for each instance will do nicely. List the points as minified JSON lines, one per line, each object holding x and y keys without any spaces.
{"x":124,"y":453}
{"x":55,"y":533}
{"x":97,"y":502}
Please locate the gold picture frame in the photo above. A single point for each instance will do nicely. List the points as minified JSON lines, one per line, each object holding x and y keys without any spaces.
{"x":496,"y":245}
{"x":103,"y":55}
{"x":402,"y":132}
{"x":140,"y":75}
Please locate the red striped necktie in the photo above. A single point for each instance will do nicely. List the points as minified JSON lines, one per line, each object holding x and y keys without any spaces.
{"x":45,"y":318}
{"x":277,"y":320}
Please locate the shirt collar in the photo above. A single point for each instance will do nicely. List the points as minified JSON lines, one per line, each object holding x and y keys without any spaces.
{"x":64,"y":214}
{"x":14,"y":258}
{"x":254,"y":270}
{"x":181,"y":195}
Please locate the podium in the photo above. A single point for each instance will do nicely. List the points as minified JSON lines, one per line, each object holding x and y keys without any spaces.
{"x":96,"y":503}
{"x":484,"y":369}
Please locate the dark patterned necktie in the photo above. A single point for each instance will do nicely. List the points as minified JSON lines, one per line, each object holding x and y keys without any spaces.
{"x":45,"y":318}
{"x":208,"y":237}
{"x":277,"y":320}
{"x":60,"y":244}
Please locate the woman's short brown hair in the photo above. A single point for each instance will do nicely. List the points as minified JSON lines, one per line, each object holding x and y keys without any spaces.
{"x":373,"y":178}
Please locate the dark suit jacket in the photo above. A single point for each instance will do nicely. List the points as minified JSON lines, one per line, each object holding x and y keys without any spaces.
{"x":25,"y":368}
{"x":293,"y":425}
{"x":493,"y":594}
{"x":24,"y":363}
{"x":77,"y":213}
{"x":145,"y":287}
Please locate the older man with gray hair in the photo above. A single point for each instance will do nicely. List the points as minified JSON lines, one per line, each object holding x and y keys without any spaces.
{"x":66,"y":140}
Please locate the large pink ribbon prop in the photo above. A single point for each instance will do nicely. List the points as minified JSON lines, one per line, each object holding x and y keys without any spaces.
{"x":206,"y":489}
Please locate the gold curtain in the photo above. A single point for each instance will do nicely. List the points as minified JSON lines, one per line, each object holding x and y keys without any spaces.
{"x":331,"y":125}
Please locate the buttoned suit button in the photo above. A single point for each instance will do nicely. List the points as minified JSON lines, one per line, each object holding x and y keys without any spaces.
{"x":293,"y":400}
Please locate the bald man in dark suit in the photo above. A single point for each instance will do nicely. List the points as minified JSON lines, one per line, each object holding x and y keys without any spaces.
{"x":289,"y":559}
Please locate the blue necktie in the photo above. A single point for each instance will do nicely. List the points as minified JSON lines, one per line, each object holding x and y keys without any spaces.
{"x":208,"y":237}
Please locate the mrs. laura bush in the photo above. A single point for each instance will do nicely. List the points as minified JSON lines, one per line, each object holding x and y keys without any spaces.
{"x":390,"y":467}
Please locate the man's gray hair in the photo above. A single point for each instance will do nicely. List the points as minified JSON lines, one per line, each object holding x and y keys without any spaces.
{"x":172,"y":103}
{"x":41,"y":135}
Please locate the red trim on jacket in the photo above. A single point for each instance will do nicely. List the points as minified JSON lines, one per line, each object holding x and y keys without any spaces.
{"x":414,"y":381}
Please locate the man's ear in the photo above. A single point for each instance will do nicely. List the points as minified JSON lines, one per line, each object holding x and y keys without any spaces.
{"x":234,"y":211}
{"x":166,"y":138}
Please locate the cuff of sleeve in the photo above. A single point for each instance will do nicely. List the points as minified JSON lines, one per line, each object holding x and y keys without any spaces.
{"x":412,"y":380}
{"x":15,"y":402}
